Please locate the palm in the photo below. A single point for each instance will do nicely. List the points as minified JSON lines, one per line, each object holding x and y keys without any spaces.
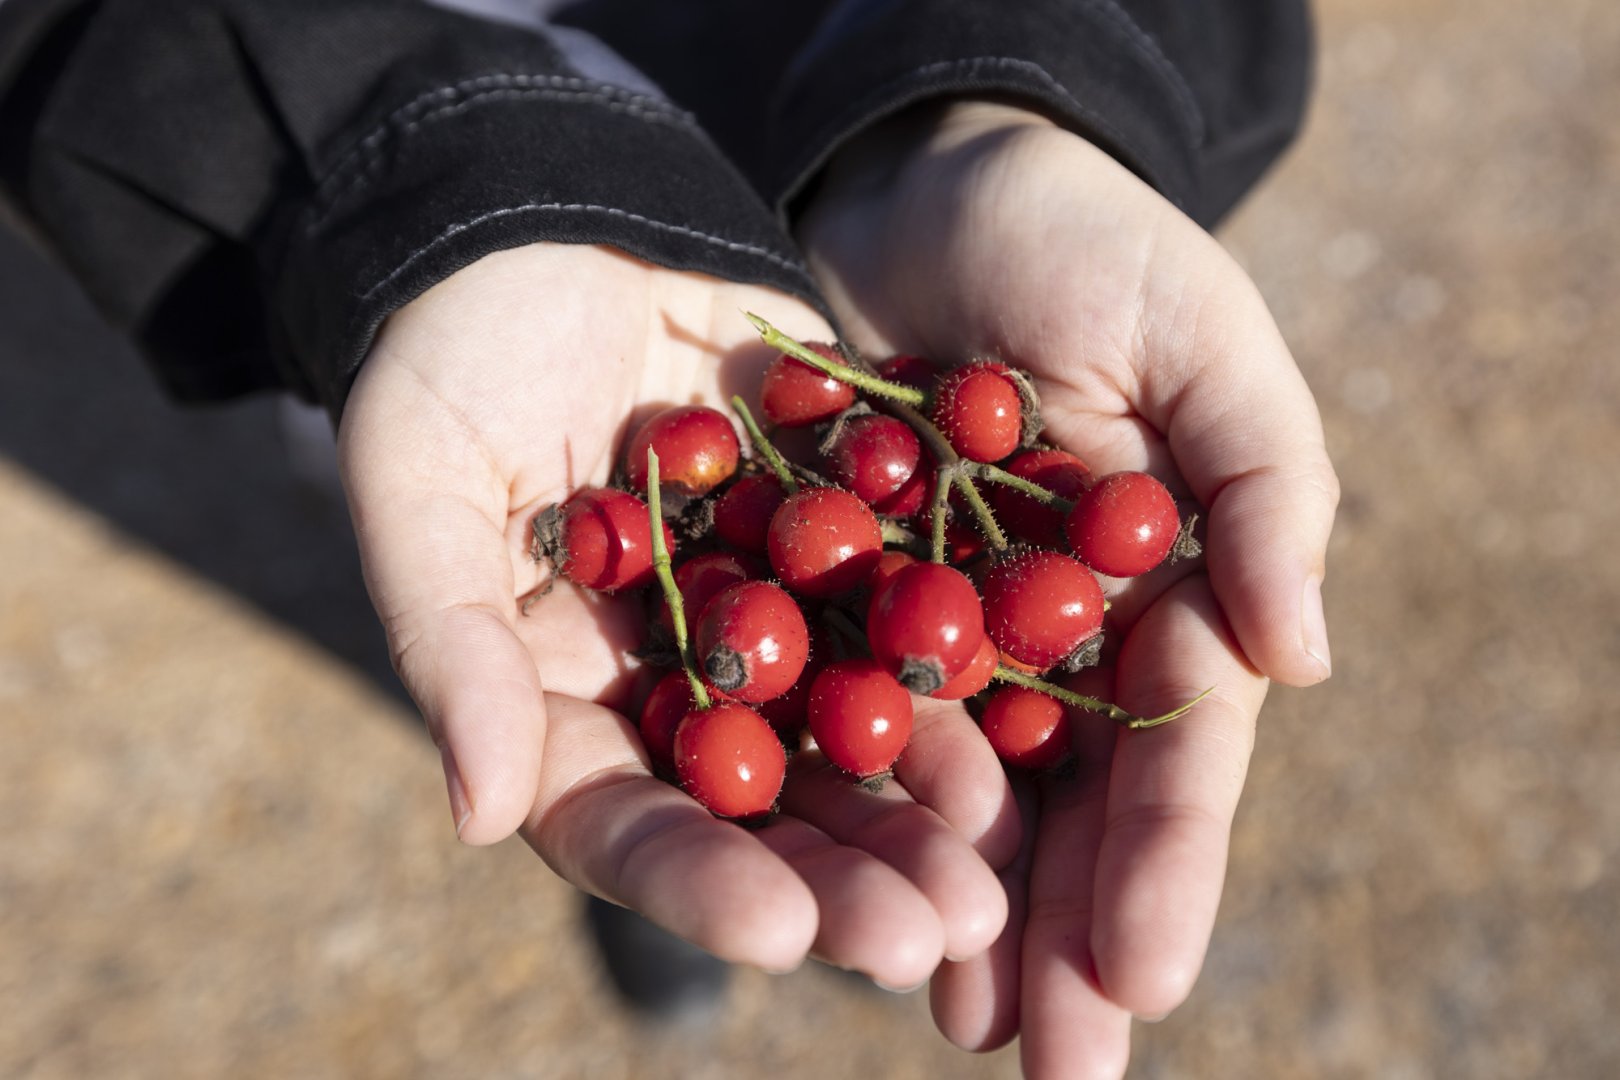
{"x":995,"y":233}
{"x":499,"y":392}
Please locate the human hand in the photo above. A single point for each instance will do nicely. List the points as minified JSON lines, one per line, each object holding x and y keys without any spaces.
{"x":498,"y":392}
{"x":980,"y":229}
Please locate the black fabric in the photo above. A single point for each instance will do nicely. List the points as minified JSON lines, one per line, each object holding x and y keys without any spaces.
{"x":248,"y":189}
{"x":1196,"y":96}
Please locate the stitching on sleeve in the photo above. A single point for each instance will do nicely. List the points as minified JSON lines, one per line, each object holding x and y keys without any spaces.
{"x":350,"y":170}
{"x":787,"y":264}
{"x":1187,"y":103}
{"x":968,"y":67}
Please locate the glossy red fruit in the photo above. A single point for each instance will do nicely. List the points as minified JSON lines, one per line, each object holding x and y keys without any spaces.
{"x":703,"y":577}
{"x":600,"y":539}
{"x":1057,"y":471}
{"x":752,"y":641}
{"x":1039,"y":606}
{"x":697,"y":450}
{"x":1125,"y":525}
{"x":973,"y":678}
{"x":824,"y":542}
{"x":908,"y":370}
{"x":978,"y":409}
{"x":662,"y":713}
{"x":860,"y":716}
{"x":797,"y":395}
{"x":913,"y":495}
{"x":742,"y":514}
{"x":925,"y":625}
{"x":874,"y":456}
{"x":789,"y":712}
{"x":889,"y":563}
{"x":1026,"y":728}
{"x":729,"y":759}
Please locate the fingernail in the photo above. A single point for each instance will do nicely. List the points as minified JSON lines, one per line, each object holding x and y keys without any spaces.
{"x":460,"y":805}
{"x":1153,"y":1019}
{"x":881,"y":985}
{"x":1313,"y":625}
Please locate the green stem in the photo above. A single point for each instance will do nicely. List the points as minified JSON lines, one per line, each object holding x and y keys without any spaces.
{"x":981,"y":512}
{"x":666,"y":580}
{"x":1095,"y":705}
{"x":942,"y":506}
{"x":764,"y":447}
{"x":861,"y":380}
{"x":997,"y":475}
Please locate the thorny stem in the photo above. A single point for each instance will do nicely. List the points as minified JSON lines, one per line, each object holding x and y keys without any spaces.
{"x":942,"y":497}
{"x":1095,"y":705}
{"x":763,"y":445}
{"x":666,"y":580}
{"x":998,"y":475}
{"x":861,"y":380}
{"x":981,"y":511}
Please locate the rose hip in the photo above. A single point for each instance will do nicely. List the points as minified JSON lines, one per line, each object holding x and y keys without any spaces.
{"x":729,"y":759}
{"x":973,"y":678}
{"x":1026,"y":728}
{"x":1040,"y":606}
{"x":697,"y":450}
{"x":703,"y":577}
{"x":662,"y":713}
{"x":874,"y":456}
{"x":979,"y":410}
{"x":824,"y":542}
{"x":742,"y":513}
{"x":600,"y":539}
{"x":1125,"y":525}
{"x":797,"y":395}
{"x":860,"y":716}
{"x":1021,"y":515}
{"x":752,"y":641}
{"x":925,"y":625}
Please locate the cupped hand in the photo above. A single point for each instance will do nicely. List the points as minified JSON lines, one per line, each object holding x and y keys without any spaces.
{"x":495,"y":394}
{"x":980,"y":229}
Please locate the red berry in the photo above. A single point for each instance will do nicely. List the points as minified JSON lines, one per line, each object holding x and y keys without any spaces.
{"x":703,"y":577}
{"x":824,"y":542}
{"x":662,"y":713}
{"x":1039,"y":606}
{"x":788,"y":713}
{"x":1125,"y":525}
{"x":1057,"y":471}
{"x":873,"y":456}
{"x":925,"y":625}
{"x":600,"y":539}
{"x":697,"y":450}
{"x":797,"y":395}
{"x":742,"y":514}
{"x":752,"y":641}
{"x":860,"y":717}
{"x":979,"y":410}
{"x":973,"y":678}
{"x":912,"y":495}
{"x":729,"y":759}
{"x":1026,"y":728}
{"x":890,"y":563}
{"x":907,"y":370}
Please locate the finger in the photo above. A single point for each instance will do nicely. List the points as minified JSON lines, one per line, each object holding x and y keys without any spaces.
{"x":872,"y":919}
{"x":950,"y":768}
{"x":1248,"y":440}
{"x":1172,"y":793}
{"x":602,"y":822}
{"x":1069,"y":1026}
{"x":913,"y":839}
{"x":437,"y":565}
{"x":975,"y":1001}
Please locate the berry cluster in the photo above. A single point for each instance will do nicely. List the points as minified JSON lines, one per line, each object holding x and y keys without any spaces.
{"x":929,"y":545}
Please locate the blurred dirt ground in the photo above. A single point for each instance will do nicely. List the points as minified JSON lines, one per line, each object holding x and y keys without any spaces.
{"x":225,"y":849}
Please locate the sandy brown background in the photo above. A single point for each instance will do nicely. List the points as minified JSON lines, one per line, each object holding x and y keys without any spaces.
{"x":224,"y":847}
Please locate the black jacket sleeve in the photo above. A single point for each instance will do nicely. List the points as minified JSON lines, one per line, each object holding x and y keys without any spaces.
{"x":249,"y":189}
{"x":1196,"y":96}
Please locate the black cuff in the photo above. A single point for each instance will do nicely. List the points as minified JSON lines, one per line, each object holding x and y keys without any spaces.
{"x":1195,"y":98}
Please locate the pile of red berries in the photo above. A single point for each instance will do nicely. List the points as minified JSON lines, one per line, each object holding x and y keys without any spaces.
{"x":930,"y":545}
